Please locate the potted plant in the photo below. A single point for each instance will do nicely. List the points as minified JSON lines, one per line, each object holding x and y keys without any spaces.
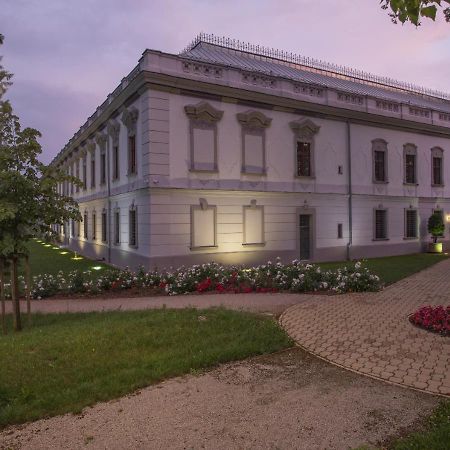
{"x":436,"y":228}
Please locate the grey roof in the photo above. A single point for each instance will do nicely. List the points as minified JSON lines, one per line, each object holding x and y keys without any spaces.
{"x":231,"y":57}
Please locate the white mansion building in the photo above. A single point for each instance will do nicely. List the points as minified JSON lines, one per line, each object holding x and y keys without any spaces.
{"x":237,"y":153}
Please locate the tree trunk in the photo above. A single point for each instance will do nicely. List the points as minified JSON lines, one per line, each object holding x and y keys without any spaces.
{"x":15,"y":295}
{"x":2,"y":295}
{"x":28,"y":288}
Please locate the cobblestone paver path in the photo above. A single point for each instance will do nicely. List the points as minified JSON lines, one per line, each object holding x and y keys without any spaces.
{"x":370,"y":333}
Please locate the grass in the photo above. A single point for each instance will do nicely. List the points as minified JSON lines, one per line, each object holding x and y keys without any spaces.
{"x":52,"y":259}
{"x":393,"y":268}
{"x":66,"y":362}
{"x":434,"y":436}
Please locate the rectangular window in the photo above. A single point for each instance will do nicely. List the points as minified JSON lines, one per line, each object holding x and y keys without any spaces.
{"x":340,"y":231}
{"x":379,"y":165}
{"x":253,"y":156}
{"x":84,"y":174}
{"x":304,"y":159}
{"x":102,"y":168}
{"x":78,"y":228}
{"x":115,"y":159}
{"x":253,"y":225}
{"x":132,"y":168}
{"x":94,"y":226}
{"x":203,"y":226}
{"x":93,"y":171}
{"x":410,"y":169}
{"x":410,"y":223}
{"x":104,"y":226}
{"x":204,"y":149}
{"x":380,"y":224}
{"x":117,"y":227}
{"x":437,"y":170}
{"x":133,"y":227}
{"x":73,"y":228}
{"x":85,"y":226}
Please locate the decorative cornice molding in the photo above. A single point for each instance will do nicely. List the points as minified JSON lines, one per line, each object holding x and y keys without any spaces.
{"x":113,"y":130}
{"x":129,"y":117}
{"x":304,"y":128}
{"x":253,"y":119}
{"x":101,"y":139}
{"x":203,"y":111}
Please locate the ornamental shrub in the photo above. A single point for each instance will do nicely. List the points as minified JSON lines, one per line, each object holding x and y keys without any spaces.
{"x":436,"y":226}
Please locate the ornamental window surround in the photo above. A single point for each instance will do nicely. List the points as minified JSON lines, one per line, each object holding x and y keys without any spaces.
{"x":203,"y":140}
{"x":253,"y":141}
{"x":411,"y":223}
{"x":133,"y":226}
{"x":437,"y":166}
{"x":129,"y":119}
{"x":253,"y":224}
{"x":304,"y":144}
{"x":410,"y":163}
{"x":379,"y":161}
{"x":203,"y":225}
{"x":114,"y":133}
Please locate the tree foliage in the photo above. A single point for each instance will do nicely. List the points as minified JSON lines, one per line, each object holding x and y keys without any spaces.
{"x":436,"y":226}
{"x":414,"y":10}
{"x":29,"y":201}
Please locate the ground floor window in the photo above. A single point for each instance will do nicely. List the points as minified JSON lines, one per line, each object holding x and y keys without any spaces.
{"x":411,"y":223}
{"x":85,"y":225}
{"x":117,"y":226}
{"x":380,"y":224}
{"x":94,"y":226}
{"x":104,"y":225}
{"x":132,"y":220}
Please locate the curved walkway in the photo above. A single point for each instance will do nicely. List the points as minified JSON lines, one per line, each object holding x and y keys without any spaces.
{"x":370,"y":332}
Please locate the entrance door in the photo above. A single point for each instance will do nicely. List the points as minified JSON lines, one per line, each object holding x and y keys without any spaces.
{"x":305,"y":236}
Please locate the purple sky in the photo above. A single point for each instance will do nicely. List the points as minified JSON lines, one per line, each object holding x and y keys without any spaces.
{"x":67,"y":56}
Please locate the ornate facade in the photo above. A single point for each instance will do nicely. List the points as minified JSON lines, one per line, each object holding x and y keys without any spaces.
{"x":238,"y":154}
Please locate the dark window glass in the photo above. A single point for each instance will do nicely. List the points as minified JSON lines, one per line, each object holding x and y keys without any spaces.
{"x":379,"y":162}
{"x":410,"y":168}
{"x":104,"y":229}
{"x":437,"y":170}
{"x":94,"y":226}
{"x":84,"y":174}
{"x":340,"y":231}
{"x":117,"y":227}
{"x":380,"y":224}
{"x":85,"y":226}
{"x":133,"y":228}
{"x":303,"y":159}
{"x":93,"y":172}
{"x":102,"y":168}
{"x":115,"y":162}
{"x":411,"y":223}
{"x":132,"y":154}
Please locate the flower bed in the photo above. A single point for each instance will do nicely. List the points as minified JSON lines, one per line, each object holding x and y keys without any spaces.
{"x":212,"y":277}
{"x":433,"y":318}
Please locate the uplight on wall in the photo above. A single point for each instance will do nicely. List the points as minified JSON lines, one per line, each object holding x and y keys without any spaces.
{"x":447,"y":217}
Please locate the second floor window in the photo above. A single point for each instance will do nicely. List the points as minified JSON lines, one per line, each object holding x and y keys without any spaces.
{"x":93,"y":171}
{"x":77,"y":174}
{"x":379,"y":161}
{"x":132,"y":163}
{"x":103,"y":168}
{"x":115,"y":161}
{"x":303,"y":159}
{"x":410,"y":169}
{"x":437,"y":170}
{"x":84,"y":174}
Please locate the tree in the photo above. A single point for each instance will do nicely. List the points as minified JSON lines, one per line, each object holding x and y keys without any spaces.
{"x":29,"y":201}
{"x":436,"y":226}
{"x":413,"y":10}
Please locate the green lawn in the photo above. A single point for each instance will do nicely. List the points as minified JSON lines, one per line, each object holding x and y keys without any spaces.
{"x":65,"y":362}
{"x":435,"y":436}
{"x":52,"y":259}
{"x":393,"y":268}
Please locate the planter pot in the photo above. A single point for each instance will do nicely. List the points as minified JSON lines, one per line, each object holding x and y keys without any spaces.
{"x":435,"y":247}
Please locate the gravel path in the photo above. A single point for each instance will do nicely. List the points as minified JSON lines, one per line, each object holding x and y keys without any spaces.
{"x":289,"y":400}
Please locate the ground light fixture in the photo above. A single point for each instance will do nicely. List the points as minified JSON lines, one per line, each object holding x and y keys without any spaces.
{"x":63,"y":253}
{"x":76,"y":257}
{"x":96,"y":267}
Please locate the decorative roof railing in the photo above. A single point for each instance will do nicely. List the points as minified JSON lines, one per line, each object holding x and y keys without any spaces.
{"x":292,"y":58}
